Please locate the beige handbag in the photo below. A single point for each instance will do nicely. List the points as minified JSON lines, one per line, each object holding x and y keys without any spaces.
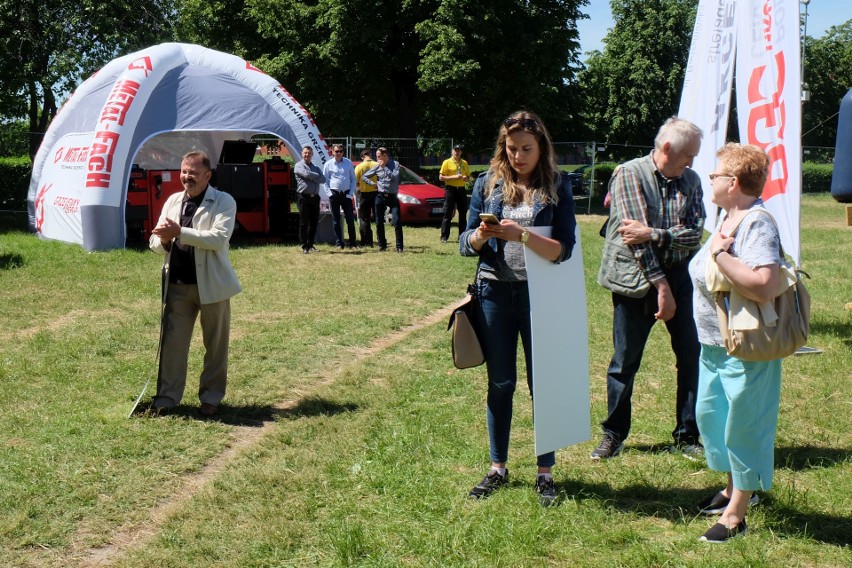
{"x":777,"y":329}
{"x":467,"y":352}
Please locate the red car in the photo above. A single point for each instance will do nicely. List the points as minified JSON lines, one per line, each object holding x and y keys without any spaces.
{"x":419,"y":201}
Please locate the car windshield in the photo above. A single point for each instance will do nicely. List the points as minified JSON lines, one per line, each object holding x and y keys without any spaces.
{"x":406,"y":176}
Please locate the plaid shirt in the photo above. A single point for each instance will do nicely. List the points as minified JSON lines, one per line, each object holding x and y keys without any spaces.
{"x":682,"y":223}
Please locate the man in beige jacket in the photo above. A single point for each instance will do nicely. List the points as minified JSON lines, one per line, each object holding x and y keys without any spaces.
{"x":193,"y":233}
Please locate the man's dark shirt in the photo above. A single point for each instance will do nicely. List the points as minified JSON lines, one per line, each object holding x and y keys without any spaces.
{"x":182,"y":265}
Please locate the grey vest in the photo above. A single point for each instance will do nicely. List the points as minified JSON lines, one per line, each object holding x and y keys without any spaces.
{"x":620,"y":271}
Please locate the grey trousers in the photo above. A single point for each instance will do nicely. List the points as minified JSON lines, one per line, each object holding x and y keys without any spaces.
{"x":182,"y":308}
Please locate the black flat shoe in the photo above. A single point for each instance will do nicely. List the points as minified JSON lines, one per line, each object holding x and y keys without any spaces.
{"x":719,"y":533}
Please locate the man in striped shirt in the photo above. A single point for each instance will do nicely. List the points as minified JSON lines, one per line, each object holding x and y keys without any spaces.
{"x":655,"y":226}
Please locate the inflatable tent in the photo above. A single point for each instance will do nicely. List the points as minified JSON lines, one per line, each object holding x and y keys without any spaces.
{"x":149,"y":108}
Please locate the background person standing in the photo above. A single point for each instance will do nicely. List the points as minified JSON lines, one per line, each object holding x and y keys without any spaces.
{"x":193,"y":233}
{"x":366,"y":199}
{"x":340,"y":183}
{"x":386,"y":174}
{"x":308,"y":180}
{"x":455,"y":173}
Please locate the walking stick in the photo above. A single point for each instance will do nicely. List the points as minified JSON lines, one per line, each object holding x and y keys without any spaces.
{"x":165,"y":290}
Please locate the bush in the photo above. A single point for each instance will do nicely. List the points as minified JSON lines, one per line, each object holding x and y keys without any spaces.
{"x":816,"y":178}
{"x":14,"y":182}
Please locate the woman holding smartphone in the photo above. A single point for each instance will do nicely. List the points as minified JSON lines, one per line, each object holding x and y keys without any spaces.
{"x":522,"y":189}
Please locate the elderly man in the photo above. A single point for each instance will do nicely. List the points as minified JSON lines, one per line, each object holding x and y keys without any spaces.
{"x":655,"y":226}
{"x":340,"y":185}
{"x":386,"y":172}
{"x":193,"y":233}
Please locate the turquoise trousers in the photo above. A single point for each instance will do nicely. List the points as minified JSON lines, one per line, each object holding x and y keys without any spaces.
{"x":737,"y":413}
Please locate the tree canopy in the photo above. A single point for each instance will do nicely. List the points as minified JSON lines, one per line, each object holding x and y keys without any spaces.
{"x":407,"y":68}
{"x":635,"y":83}
{"x":828,"y":74}
{"x":49,"y":46}
{"x":404,"y":67}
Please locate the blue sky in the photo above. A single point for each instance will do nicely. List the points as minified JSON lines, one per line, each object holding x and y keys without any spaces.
{"x":822,"y":14}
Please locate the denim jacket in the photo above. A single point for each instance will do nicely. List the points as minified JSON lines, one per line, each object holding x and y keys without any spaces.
{"x":560,"y":217}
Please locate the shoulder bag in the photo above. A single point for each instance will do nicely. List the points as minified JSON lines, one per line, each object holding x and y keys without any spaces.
{"x":467,"y":352}
{"x":783,"y":324}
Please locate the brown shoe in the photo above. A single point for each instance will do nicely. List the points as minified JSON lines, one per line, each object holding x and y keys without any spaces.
{"x":208,"y":409}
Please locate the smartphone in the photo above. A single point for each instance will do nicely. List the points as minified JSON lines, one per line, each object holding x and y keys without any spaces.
{"x":489,"y":218}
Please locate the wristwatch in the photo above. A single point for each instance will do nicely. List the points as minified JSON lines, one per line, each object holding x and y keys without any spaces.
{"x":525,"y":236}
{"x":655,"y":236}
{"x":718,"y":252}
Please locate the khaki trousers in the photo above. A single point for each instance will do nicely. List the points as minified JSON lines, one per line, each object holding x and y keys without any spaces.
{"x":182,"y":308}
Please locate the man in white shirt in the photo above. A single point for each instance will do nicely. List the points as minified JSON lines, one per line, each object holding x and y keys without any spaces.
{"x":340,"y":186}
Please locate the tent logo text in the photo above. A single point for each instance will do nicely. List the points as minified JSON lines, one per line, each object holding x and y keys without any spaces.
{"x":143,"y":64}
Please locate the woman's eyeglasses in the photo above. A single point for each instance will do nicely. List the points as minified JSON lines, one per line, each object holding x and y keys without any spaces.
{"x":714,"y":176}
{"x":526,"y":123}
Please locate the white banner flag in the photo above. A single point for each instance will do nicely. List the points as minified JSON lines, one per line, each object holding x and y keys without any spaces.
{"x":706,"y":97}
{"x":768,"y":104}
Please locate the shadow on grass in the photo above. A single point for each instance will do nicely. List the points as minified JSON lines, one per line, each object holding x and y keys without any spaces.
{"x":678,"y":505}
{"x":801,"y":458}
{"x":9,"y":261}
{"x":253,"y":415}
{"x":315,"y":406}
{"x":832,"y":328}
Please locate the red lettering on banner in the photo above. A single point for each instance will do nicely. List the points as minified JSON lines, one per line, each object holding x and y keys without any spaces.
{"x":100,"y":159}
{"x":767,"y":116}
{"x":767,"y":25}
{"x":68,"y":204}
{"x":58,"y":155}
{"x":97,"y":180}
{"x":143,"y":63}
{"x":119,"y":101}
{"x":39,"y":206}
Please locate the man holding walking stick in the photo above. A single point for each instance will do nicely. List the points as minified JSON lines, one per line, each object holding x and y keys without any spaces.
{"x":193,"y":233}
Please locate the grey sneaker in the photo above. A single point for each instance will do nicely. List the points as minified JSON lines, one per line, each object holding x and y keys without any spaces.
{"x":546,"y":491}
{"x":489,"y":484}
{"x":608,"y":448}
{"x":694,"y":452}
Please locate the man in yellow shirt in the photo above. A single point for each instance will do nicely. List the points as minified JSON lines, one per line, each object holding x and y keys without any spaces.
{"x":366,"y":198}
{"x":455,"y":174}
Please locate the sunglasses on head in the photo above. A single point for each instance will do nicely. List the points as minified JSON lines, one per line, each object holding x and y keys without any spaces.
{"x":526,"y":123}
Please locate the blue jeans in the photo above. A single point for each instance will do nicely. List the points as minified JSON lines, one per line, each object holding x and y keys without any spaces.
{"x":632,"y":321}
{"x":388,"y":201}
{"x":503,"y":313}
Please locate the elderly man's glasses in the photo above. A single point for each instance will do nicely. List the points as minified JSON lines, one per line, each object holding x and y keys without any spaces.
{"x":714,"y":176}
{"x":525,"y":123}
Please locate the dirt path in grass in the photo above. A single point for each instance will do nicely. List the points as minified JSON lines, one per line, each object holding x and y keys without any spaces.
{"x":135,"y":535}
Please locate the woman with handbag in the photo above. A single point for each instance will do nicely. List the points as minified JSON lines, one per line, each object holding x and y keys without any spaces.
{"x":522,"y":188}
{"x":737,"y":402}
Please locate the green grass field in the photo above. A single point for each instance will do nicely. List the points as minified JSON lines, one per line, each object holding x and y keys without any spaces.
{"x":347,"y":438}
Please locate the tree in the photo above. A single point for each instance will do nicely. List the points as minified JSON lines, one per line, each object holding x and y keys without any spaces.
{"x":482,"y":61}
{"x":48,"y":45}
{"x":404,"y":67}
{"x":635,"y":84}
{"x":828,"y":73}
